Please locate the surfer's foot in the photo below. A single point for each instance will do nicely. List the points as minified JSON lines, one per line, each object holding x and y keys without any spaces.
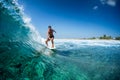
{"x":52,"y":45}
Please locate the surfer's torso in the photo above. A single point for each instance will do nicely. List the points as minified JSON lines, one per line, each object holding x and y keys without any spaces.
{"x":50,"y":33}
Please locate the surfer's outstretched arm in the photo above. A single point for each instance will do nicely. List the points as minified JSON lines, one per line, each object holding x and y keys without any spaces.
{"x":54,"y":31}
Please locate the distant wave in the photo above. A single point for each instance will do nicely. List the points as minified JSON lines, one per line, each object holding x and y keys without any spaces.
{"x":89,"y":42}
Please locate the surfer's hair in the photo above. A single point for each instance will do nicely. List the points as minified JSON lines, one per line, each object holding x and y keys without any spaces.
{"x":49,"y":26}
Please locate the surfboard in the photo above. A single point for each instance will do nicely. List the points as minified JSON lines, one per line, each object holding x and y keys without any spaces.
{"x":51,"y":48}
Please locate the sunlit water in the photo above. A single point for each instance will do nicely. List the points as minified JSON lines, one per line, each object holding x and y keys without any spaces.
{"x":91,"y":59}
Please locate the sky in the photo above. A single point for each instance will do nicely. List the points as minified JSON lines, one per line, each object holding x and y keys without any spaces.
{"x":74,"y":18}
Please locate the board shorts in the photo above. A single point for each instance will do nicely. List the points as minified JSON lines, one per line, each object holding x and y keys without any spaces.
{"x":51,"y":36}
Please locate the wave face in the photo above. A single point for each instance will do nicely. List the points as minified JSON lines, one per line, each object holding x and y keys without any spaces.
{"x":21,"y":51}
{"x":15,"y":26}
{"x":24,"y":57}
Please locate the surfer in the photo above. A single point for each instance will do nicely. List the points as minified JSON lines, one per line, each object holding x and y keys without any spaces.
{"x":50,"y":36}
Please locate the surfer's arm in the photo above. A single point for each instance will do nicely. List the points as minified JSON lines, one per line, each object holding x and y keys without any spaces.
{"x":54,"y":31}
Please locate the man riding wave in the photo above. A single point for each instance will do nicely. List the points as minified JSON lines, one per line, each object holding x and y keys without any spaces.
{"x":50,"y":36}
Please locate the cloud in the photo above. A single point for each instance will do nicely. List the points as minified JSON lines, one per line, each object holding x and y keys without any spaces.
{"x":111,"y":2}
{"x":108,"y":2}
{"x":95,"y":7}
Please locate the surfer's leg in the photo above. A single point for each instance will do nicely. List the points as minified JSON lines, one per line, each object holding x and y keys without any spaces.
{"x":52,"y":41}
{"x":47,"y":41}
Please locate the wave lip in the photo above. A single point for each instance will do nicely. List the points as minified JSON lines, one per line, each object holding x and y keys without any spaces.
{"x":16,"y":26}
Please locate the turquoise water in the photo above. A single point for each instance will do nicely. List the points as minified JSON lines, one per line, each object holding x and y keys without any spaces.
{"x":23,"y":55}
{"x":93,"y":59}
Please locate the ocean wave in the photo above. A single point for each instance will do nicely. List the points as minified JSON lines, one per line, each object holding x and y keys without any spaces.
{"x":21,"y":51}
{"x":16,"y":26}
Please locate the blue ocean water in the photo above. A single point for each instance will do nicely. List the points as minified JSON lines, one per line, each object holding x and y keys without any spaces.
{"x":23,"y":55}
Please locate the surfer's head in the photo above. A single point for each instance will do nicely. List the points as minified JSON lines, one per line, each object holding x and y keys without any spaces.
{"x":49,"y":27}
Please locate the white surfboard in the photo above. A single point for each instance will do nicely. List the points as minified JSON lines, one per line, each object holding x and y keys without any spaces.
{"x":51,"y":48}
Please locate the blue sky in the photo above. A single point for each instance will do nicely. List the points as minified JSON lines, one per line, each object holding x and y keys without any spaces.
{"x":74,"y":18}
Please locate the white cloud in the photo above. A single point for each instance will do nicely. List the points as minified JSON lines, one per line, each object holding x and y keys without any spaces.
{"x":95,"y":7}
{"x":108,"y":2}
{"x":111,"y":2}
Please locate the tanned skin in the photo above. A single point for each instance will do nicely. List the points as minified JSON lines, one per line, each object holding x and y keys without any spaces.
{"x":50,"y":36}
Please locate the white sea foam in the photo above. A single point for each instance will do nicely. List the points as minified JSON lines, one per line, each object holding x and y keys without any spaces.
{"x":88,"y":42}
{"x":27,"y":20}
